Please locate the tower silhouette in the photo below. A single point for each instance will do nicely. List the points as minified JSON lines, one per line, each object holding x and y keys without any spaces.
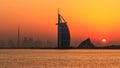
{"x":18,"y":37}
{"x":63,"y":33}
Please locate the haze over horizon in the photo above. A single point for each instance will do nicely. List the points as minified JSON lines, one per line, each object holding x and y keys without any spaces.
{"x":97,"y":19}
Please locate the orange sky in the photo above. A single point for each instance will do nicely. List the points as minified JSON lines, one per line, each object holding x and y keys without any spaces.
{"x":96,"y":19}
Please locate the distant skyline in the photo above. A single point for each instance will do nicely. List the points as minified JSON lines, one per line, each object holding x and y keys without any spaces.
{"x":97,"y":19}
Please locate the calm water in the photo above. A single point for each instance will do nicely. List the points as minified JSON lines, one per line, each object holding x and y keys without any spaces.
{"x":59,"y":58}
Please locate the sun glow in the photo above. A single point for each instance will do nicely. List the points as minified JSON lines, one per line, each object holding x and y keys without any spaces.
{"x":104,"y":40}
{"x":97,"y":19}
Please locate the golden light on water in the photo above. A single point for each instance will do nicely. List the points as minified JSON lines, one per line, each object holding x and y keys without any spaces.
{"x":57,"y":58}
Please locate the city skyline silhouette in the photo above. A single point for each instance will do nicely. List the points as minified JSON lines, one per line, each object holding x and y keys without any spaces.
{"x":97,"y":20}
{"x":59,"y":33}
{"x":63,"y":40}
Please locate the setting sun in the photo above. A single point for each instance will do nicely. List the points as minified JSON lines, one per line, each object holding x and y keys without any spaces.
{"x":104,"y":40}
{"x":85,"y":18}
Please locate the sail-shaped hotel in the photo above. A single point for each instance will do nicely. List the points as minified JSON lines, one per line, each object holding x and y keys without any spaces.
{"x":63,"y":33}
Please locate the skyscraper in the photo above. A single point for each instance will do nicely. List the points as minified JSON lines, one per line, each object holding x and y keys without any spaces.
{"x":18,"y":37}
{"x":63,"y":33}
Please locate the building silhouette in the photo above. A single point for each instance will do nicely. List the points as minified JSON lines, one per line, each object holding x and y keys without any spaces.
{"x":38,"y":44}
{"x":86,"y":44}
{"x":18,"y":37}
{"x":11,"y":44}
{"x":63,"y":33}
{"x":27,"y":43}
{"x":3,"y":44}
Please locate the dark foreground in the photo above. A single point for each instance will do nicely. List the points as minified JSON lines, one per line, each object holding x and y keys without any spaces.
{"x":45,"y":58}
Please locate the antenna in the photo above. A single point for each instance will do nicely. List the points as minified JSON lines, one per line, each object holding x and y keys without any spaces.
{"x":58,"y":16}
{"x":58,"y":11}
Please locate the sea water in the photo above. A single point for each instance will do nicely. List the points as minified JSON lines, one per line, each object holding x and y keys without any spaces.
{"x":55,"y":58}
